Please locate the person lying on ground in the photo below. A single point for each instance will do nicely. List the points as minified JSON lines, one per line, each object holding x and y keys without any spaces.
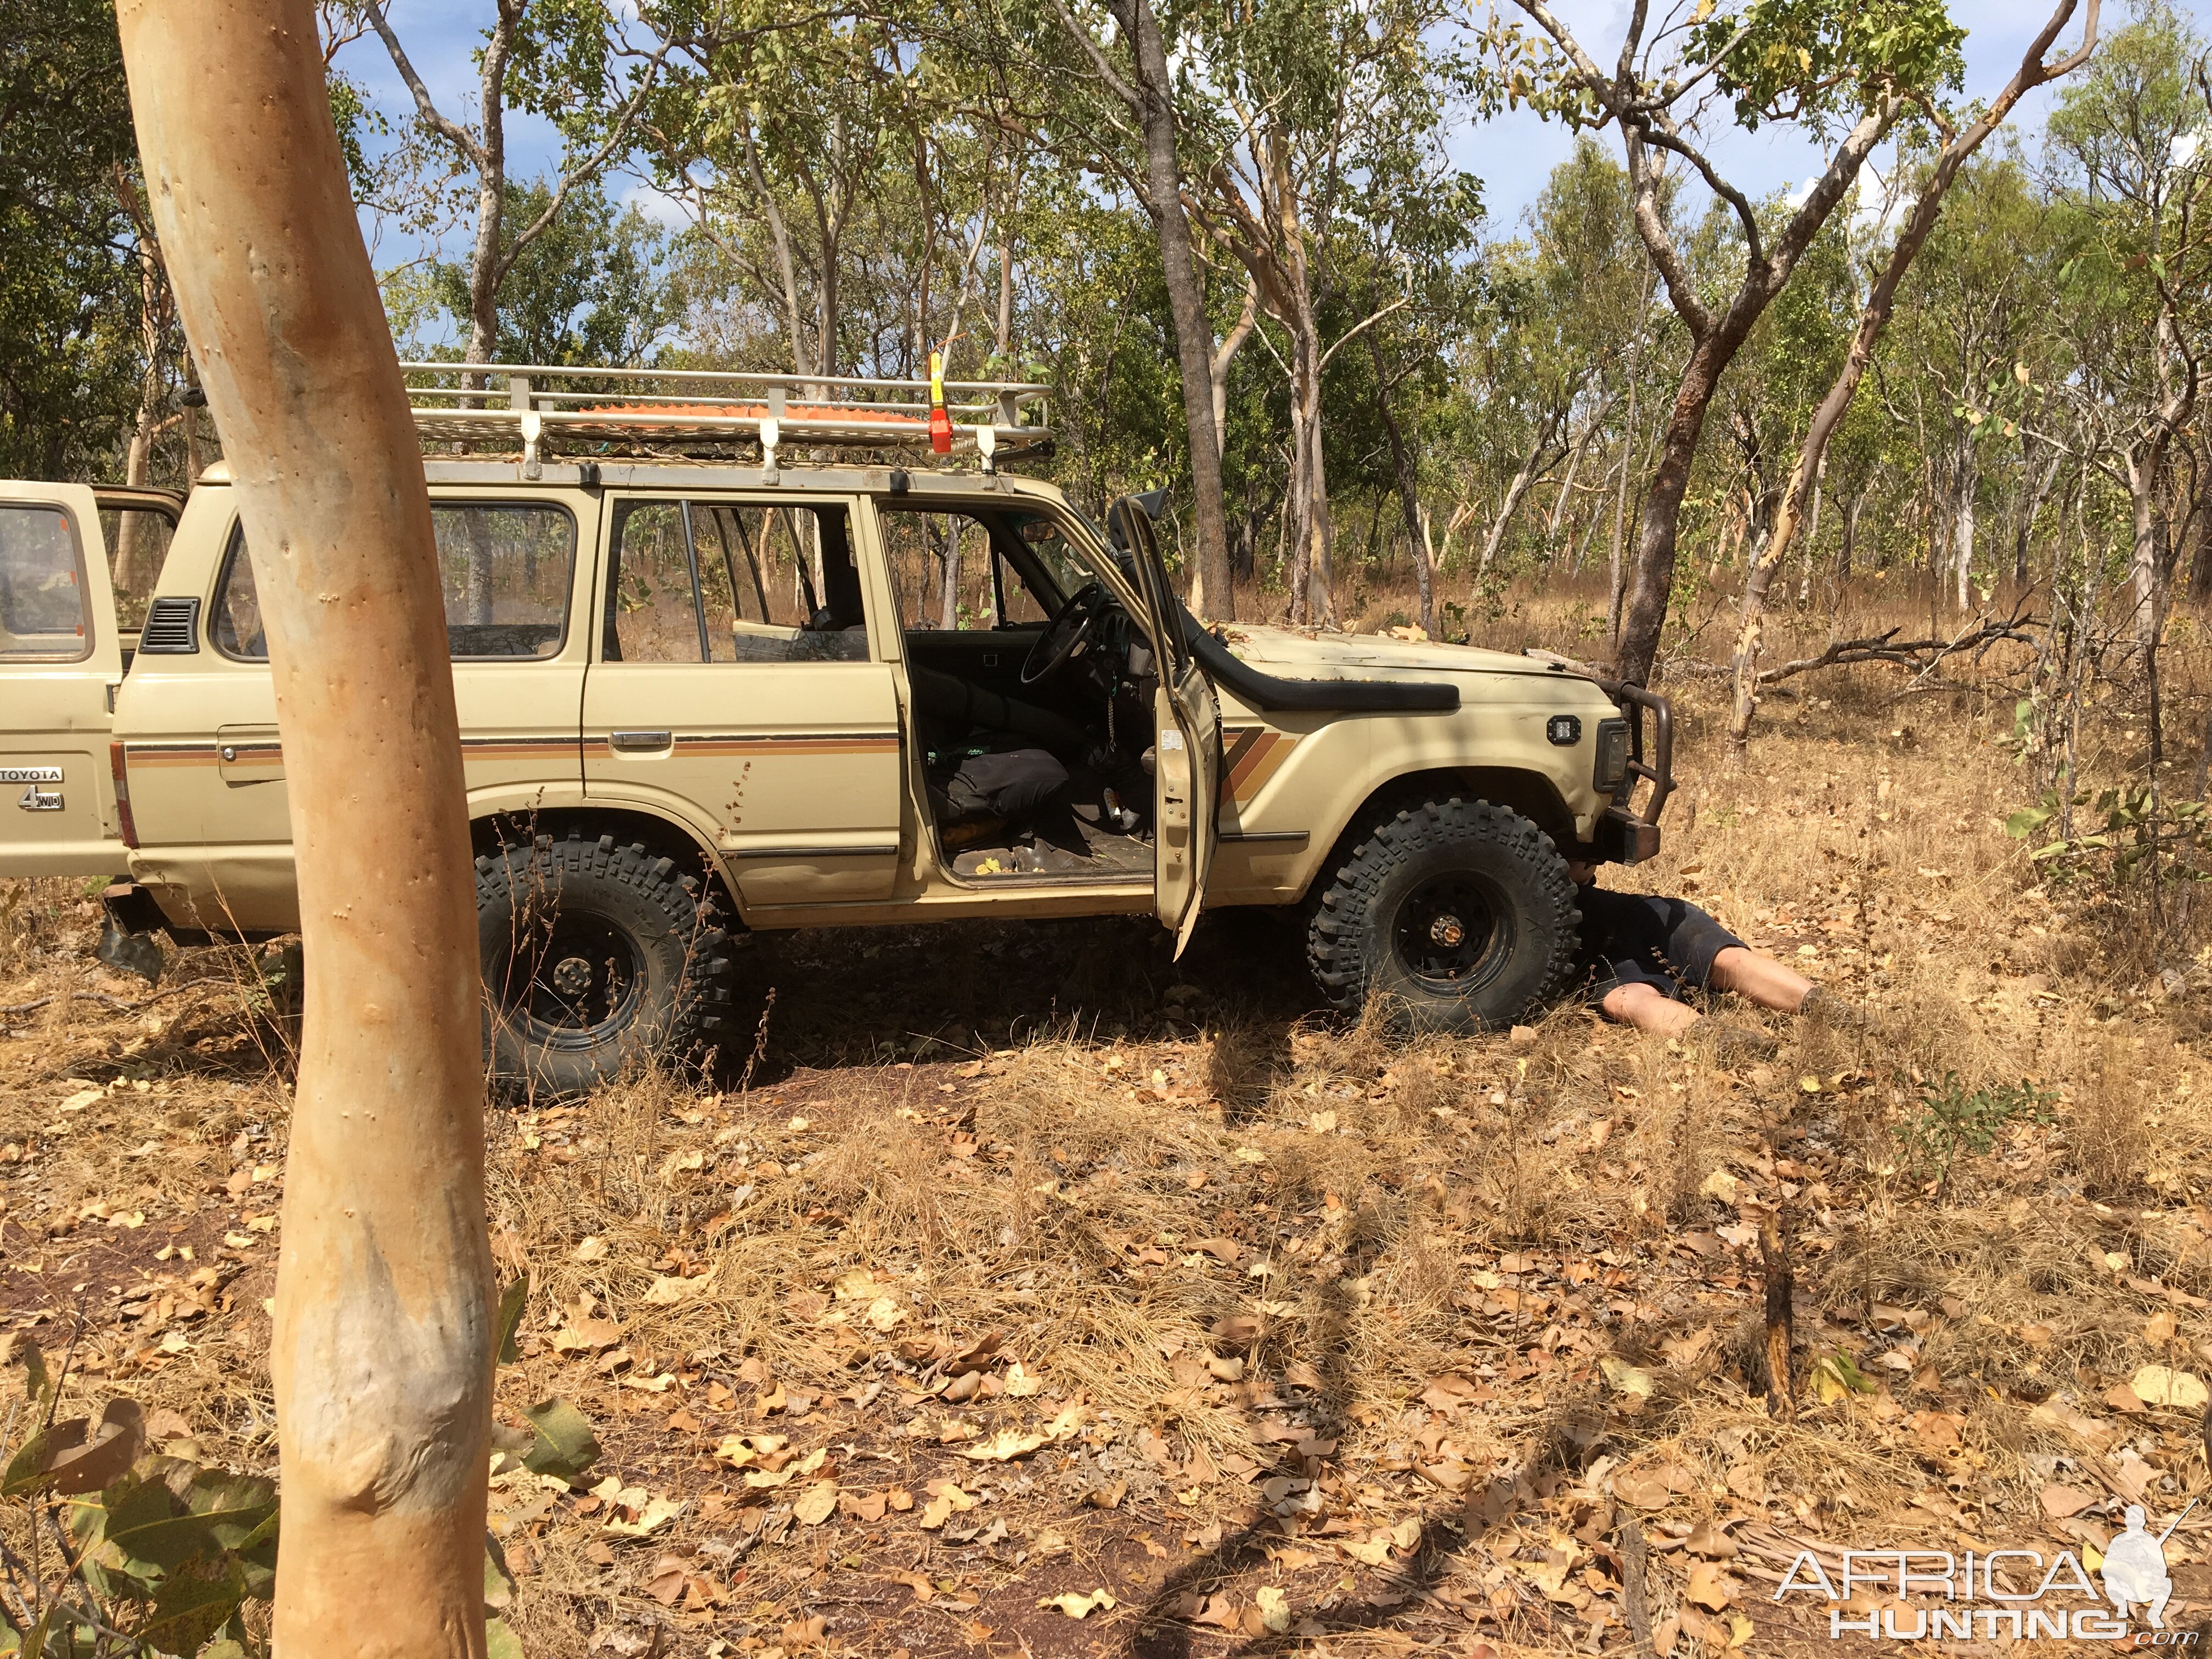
{"x":1644,"y":957}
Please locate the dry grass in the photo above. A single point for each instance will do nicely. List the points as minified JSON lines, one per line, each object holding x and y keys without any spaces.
{"x":1305,"y":1283}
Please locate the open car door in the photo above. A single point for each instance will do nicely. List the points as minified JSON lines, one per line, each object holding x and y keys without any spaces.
{"x":1187,"y":742}
{"x":60,"y":662}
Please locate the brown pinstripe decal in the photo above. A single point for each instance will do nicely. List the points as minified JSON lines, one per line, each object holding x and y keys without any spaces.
{"x":272,"y":754}
{"x":1236,"y":742}
{"x":518,"y":748}
{"x":170,"y":754}
{"x":1253,"y":755}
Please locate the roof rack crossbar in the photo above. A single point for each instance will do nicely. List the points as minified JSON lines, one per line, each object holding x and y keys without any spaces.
{"x":494,"y":374}
{"x":512,"y":406}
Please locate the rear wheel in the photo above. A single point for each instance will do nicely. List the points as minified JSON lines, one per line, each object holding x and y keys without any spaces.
{"x":596,"y":958}
{"x":1452,"y":916}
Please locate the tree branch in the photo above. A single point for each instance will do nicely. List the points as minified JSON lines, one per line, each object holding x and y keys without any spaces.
{"x":625,"y":120}
{"x":1359,"y":328}
{"x":452,"y":131}
{"x":1099,"y":62}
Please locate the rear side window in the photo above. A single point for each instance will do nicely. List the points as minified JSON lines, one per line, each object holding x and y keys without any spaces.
{"x":701,"y":581}
{"x":43,"y":613}
{"x":506,"y":571}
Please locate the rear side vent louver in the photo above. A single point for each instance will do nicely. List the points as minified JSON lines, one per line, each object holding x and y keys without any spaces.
{"x":173,"y":629}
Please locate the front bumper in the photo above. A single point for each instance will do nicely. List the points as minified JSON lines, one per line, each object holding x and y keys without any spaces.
{"x":1623,"y":833}
{"x":1620,"y":837}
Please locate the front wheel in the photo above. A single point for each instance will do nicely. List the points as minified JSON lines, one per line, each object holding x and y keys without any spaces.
{"x":1452,"y":916}
{"x":596,"y":958}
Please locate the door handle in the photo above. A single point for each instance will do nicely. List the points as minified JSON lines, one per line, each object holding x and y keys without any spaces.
{"x":637,"y":743}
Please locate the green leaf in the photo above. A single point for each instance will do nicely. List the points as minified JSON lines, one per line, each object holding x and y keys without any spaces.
{"x":2026,"y":822}
{"x":500,"y":1640}
{"x":499,"y":1583}
{"x":30,"y":1467}
{"x":512,"y":1300}
{"x":222,"y":1514}
{"x":191,"y":1608}
{"x":566,"y":1446}
{"x":137,"y":1508}
{"x":35,"y":1639}
{"x":1841,"y":1376}
{"x":36,"y":1383}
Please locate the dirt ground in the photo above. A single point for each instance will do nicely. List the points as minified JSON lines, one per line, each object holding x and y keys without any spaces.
{"x":1023,"y":1264}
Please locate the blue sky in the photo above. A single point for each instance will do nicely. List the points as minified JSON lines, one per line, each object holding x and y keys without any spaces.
{"x":1511,"y":154}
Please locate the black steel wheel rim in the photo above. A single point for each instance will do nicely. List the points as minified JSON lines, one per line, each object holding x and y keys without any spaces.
{"x":575,"y":981}
{"x":1452,"y":934}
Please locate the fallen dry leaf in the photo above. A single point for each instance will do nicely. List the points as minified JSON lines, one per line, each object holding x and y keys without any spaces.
{"x":1709,"y":1587}
{"x":656,"y":1513}
{"x":1654,"y":1485}
{"x":1081,"y":1607}
{"x":945,"y":1500}
{"x":1219,"y":1611}
{"x":1274,"y":1608}
{"x":1003,"y":1446}
{"x":1067,"y":1422}
{"x":1937,"y":1432}
{"x":817,"y":1504}
{"x":2155,"y":1385}
{"x":1627,"y":1378}
{"x":2060,"y":1502}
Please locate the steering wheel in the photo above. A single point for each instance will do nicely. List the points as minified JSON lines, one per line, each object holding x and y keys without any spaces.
{"x":1064,"y":634}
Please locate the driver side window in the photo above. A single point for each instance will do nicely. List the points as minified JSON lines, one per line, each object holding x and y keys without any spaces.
{"x":951,"y":577}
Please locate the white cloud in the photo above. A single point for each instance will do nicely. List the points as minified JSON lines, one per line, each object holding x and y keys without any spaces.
{"x":657,"y":205}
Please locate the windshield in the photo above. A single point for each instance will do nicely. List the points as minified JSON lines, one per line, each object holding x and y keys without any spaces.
{"x":1042,"y":535}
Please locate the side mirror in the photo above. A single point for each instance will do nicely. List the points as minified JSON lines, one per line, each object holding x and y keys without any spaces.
{"x":1152,"y":504}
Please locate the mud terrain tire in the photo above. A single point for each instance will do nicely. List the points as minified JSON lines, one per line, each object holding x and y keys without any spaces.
{"x":1452,"y":916}
{"x":597,"y":958}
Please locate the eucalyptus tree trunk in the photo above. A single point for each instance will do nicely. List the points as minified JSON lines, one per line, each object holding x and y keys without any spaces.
{"x":1524,"y":475}
{"x":1406,"y":472}
{"x":1149,"y":97}
{"x":381,"y":1352}
{"x":1314,"y":602}
{"x":1964,"y":484}
{"x":1873,"y":317}
{"x":132,"y":575}
{"x":1210,"y":588}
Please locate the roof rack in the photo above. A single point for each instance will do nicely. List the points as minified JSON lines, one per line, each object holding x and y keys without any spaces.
{"x":545,"y":408}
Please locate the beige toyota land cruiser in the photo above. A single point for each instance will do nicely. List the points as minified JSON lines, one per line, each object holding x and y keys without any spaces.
{"x":704,"y":690}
